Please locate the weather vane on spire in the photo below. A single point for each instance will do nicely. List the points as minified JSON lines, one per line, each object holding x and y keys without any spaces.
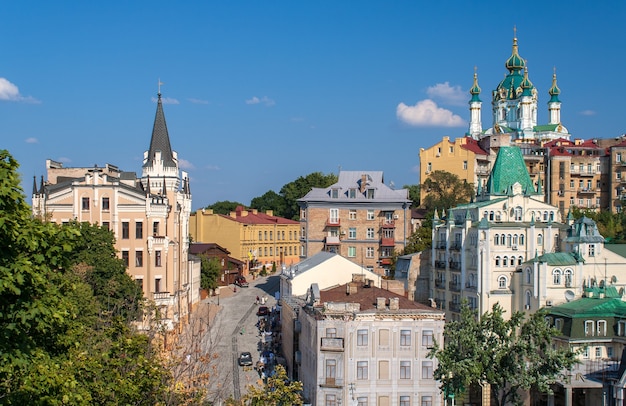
{"x":160,"y":83}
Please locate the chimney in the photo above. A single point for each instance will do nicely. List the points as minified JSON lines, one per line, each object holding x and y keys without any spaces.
{"x":394,"y":303}
{"x":381,"y":303}
{"x":351,"y":288}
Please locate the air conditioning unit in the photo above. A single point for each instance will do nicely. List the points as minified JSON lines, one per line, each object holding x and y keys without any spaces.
{"x":396,"y":217}
{"x":548,"y":302}
{"x":514,"y":247}
{"x":343,"y":232}
{"x":527,"y":307}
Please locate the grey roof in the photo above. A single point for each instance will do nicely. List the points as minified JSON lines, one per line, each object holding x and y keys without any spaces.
{"x":354,"y":180}
{"x":309,"y":263}
{"x":160,"y":140}
{"x":584,"y":230}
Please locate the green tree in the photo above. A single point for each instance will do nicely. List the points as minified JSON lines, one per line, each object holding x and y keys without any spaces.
{"x":445,"y":190}
{"x":297,"y":189}
{"x":277,"y":391}
{"x":210,"y":271}
{"x":270,"y":201}
{"x":414,"y":194}
{"x":511,"y":355}
{"x":419,"y":240}
{"x":224,"y":207}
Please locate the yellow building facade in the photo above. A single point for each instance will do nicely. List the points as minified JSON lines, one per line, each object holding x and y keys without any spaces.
{"x":256,"y":238}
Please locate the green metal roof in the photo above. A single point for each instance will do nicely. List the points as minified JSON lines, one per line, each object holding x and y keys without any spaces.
{"x":591,"y":307}
{"x":508,"y":169}
{"x":619,"y":249}
{"x":545,"y":127}
{"x":556,"y":259}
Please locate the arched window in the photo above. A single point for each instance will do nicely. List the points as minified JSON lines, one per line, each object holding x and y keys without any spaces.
{"x":518,"y":213}
{"x":568,"y":277}
{"x":521,"y":239}
{"x":520,"y":259}
{"x":556,"y":276}
{"x":508,"y":240}
{"x":502,"y":282}
{"x":497,"y":261}
{"x":502,"y":239}
{"x":505,"y":261}
{"x":514,"y":239}
{"x":496,"y":239}
{"x":486,"y":215}
{"x":540,"y":239}
{"x":529,"y":275}
{"x":545,"y":216}
{"x":527,"y":299}
{"x":498,"y":216}
{"x":551,"y":216}
{"x":491,"y":214}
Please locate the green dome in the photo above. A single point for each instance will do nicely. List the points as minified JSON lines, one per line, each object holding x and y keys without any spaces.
{"x":475,"y":90}
{"x":526,"y":85}
{"x":554,"y":90}
{"x":515,"y":62}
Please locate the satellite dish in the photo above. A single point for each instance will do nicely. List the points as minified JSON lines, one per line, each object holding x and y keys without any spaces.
{"x":613,"y":279}
{"x":569,"y":295}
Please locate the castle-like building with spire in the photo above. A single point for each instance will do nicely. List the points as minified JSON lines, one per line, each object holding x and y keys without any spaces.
{"x":570,"y":171}
{"x":149,"y":217}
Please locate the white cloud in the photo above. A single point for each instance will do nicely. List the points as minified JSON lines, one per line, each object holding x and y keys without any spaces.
{"x":65,"y":160}
{"x":10,"y":92}
{"x":166,"y":100}
{"x":263,"y":100}
{"x":185,"y":164}
{"x":587,"y":113}
{"x":447,"y":94}
{"x":31,"y":140}
{"x":426,"y":113}
{"x":212,"y":167}
{"x":198,"y":101}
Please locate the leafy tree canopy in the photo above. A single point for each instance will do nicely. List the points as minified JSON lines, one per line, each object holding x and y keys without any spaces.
{"x":270,"y":201}
{"x":297,"y":189}
{"x":414,"y":194}
{"x":224,"y":207}
{"x":511,"y":355}
{"x":445,"y":190}
{"x":277,"y":391}
{"x":210,"y":271}
{"x":611,"y":226}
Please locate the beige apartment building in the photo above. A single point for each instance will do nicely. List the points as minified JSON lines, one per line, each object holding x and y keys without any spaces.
{"x":149,"y":217}
{"x":359,"y":217}
{"x":357,"y":344}
{"x":258,"y":239}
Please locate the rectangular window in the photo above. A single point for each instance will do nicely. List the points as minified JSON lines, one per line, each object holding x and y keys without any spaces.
{"x":609,"y":352}
{"x":105,"y":203}
{"x":362,"y":401}
{"x":383,"y":369}
{"x":331,"y":368}
{"x":589,"y":328}
{"x":383,"y":337}
{"x":369,"y":252}
{"x":618,"y":157}
{"x":106,"y":225}
{"x":125,"y":258}
{"x":427,"y":401}
{"x":352,"y":193}
{"x":586,"y":352}
{"x":598,"y":352}
{"x":352,"y":233}
{"x":157,"y":285}
{"x":331,"y":400}
{"x":139,"y":282}
{"x":370,"y":233}
{"x":405,"y":401}
{"x":125,"y":230}
{"x":351,"y":252}
{"x":157,"y":258}
{"x":427,"y":370}
{"x":85,"y":203}
{"x":334,"y":216}
{"x":352,"y":214}
{"x":429,"y":167}
{"x":331,"y":332}
{"x":370,"y":215}
{"x":138,"y":230}
{"x":601,"y":327}
{"x":369,"y":194}
{"x":334,"y":193}
{"x":464,"y":165}
{"x":592,"y":250}
{"x":427,"y":338}
{"x":139,"y":259}
{"x":405,"y":369}
{"x":361,"y":370}
{"x":405,"y":337}
{"x":155,"y":228}
{"x":361,"y":337}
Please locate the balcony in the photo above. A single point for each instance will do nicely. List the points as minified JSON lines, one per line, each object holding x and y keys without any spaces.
{"x":332,"y":344}
{"x":454,"y":286}
{"x":586,"y":191}
{"x":332,"y":240}
{"x":441,"y":245}
{"x":578,"y":172}
{"x":333,"y":222}
{"x":440,"y":264}
{"x":387,"y":242}
{"x":455,"y":265}
{"x":440,"y":284}
{"x":160,"y":295}
{"x":329,"y":382}
{"x":388,"y":224}
{"x":456,"y":246}
{"x":471,"y":286}
{"x":385,"y":261}
{"x":454,"y":306}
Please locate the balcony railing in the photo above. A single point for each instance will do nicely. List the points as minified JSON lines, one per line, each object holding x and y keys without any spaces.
{"x":456,"y":246}
{"x":454,"y":306}
{"x":332,"y":382}
{"x":388,"y":224}
{"x":333,"y":222}
{"x":440,"y":283}
{"x":160,"y":295}
{"x":332,"y":240}
{"x":586,"y":191}
{"x":455,"y":265}
{"x":440,"y":264}
{"x":471,"y":286}
{"x":455,"y":286}
{"x":387,"y":242}
{"x":332,"y":344}
{"x":442,"y":244}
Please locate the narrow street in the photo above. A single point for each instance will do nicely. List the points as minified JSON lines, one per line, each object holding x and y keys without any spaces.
{"x":234,"y":330}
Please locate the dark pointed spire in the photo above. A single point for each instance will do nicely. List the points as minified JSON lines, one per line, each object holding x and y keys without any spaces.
{"x":164,"y":188}
{"x":35,"y":192}
{"x":41,"y":185}
{"x":160,"y":141}
{"x":148,"y":186}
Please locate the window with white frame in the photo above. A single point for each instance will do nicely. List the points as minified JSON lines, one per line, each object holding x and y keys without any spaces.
{"x":498,"y":261}
{"x":520,"y":260}
{"x":330,"y":400}
{"x":361,"y":370}
{"x":621,"y":328}
{"x":334,"y":193}
{"x":426,"y":401}
{"x":529,"y":274}
{"x":589,"y":324}
{"x":517,"y":213}
{"x":334,"y":216}
{"x":405,"y":338}
{"x":556,"y":277}
{"x":351,"y":252}
{"x":406,"y":400}
{"x":521,"y":239}
{"x":405,"y":369}
{"x":370,"y":215}
{"x":502,"y":282}
{"x":331,"y":332}
{"x":361,"y":337}
{"x":361,"y":401}
{"x":428,"y":338}
{"x":331,"y":368}
{"x":568,"y":277}
{"x":609,"y":352}
{"x":592,"y":250}
{"x":598,"y":352}
{"x":352,"y":233}
{"x":427,"y":370}
{"x":540,"y":240}
{"x":352,"y":214}
{"x":369,"y":252}
{"x":370,"y":233}
{"x":496,"y":239}
{"x":586,"y":352}
{"x":601,"y":328}
{"x":352,"y":193}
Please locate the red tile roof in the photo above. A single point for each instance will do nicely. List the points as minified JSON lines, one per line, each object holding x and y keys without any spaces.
{"x":366,"y":297}
{"x":256,"y":217}
{"x":472,"y":145}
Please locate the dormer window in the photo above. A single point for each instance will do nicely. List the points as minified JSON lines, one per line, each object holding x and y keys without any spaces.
{"x":352,"y":193}
{"x":592,"y":250}
{"x":369,"y":193}
{"x":334,"y":193}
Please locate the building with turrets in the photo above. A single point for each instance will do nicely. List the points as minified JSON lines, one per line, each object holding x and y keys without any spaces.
{"x":149,"y":217}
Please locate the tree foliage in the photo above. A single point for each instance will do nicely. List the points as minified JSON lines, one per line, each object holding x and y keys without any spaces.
{"x":445,"y":190}
{"x":511,"y":355}
{"x":611,"y":226}
{"x":269,"y":201}
{"x":414,"y":194}
{"x":277,"y":391}
{"x":297,"y":189}
{"x":224,"y":207}
{"x":210,"y":271}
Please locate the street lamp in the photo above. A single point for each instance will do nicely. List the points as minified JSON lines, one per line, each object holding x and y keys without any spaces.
{"x":450,"y":387}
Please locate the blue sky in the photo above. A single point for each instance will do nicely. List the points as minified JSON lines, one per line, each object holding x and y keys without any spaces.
{"x":259,"y":93}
